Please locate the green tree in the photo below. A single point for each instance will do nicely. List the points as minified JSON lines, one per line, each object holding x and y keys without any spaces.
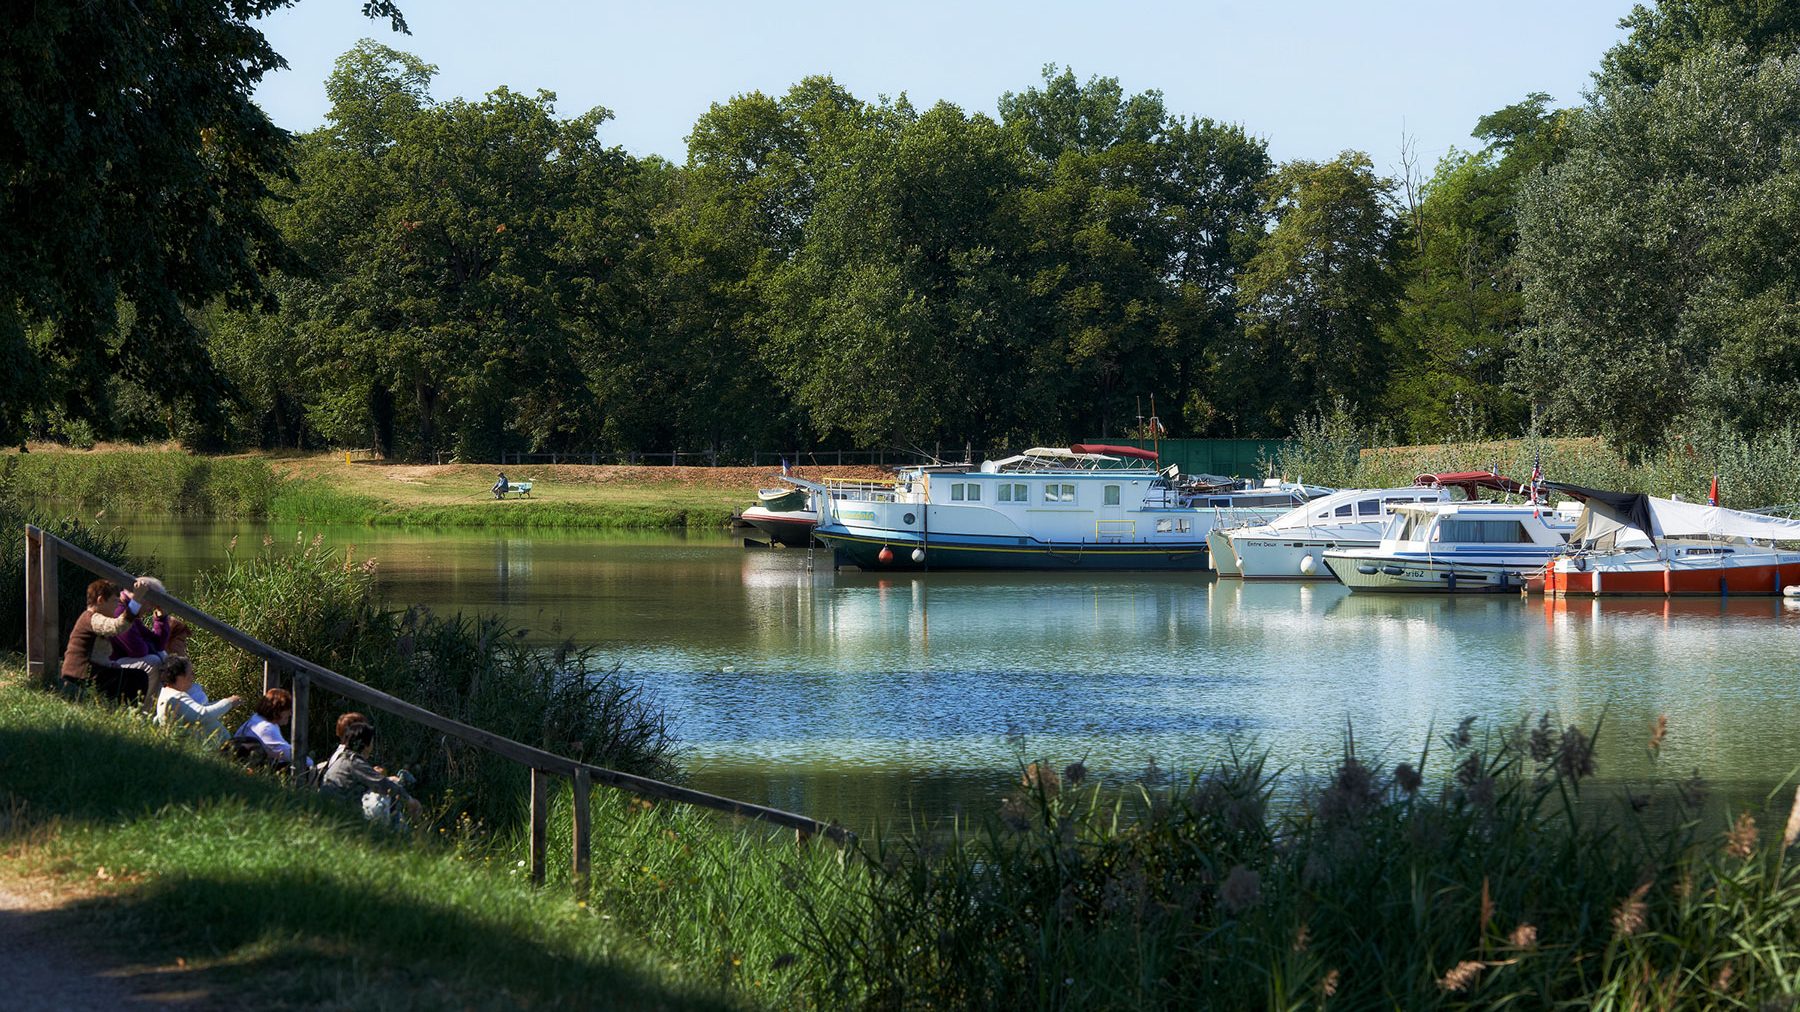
{"x":133,"y":172}
{"x":1319,"y":294}
{"x":1654,"y":255}
{"x":1669,"y":31}
{"x":1459,"y":323}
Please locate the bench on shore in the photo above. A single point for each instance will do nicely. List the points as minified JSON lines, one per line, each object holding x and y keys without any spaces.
{"x":522,"y":489}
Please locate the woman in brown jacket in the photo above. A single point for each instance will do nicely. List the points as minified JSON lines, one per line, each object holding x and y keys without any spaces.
{"x":87,"y":661}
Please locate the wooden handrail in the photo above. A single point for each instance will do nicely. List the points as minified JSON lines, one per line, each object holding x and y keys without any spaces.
{"x":44,"y":549}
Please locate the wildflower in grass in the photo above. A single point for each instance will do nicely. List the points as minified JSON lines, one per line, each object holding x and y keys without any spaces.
{"x":1329,"y":986}
{"x":1658,"y":733}
{"x":1723,"y":980}
{"x":1740,"y":842}
{"x":1242,"y":890}
{"x":1351,"y":793}
{"x":1575,"y":756}
{"x":1631,"y":914}
{"x":1302,"y":938}
{"x":1792,"y":832}
{"x":1408,"y":778}
{"x":1461,"y":977}
{"x":1523,"y":937}
{"x":1041,"y":777}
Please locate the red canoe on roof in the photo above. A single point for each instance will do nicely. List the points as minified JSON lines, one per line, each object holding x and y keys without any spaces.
{"x":1114,"y":451}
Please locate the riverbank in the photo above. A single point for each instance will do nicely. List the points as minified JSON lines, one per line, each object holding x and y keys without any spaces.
{"x":324,"y":488}
{"x":146,"y":851}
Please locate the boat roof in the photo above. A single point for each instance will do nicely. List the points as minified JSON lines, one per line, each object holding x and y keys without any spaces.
{"x":1060,"y":458}
{"x":1304,"y":514}
{"x":1469,"y":481}
{"x":1452,"y":506}
{"x":1641,"y":519}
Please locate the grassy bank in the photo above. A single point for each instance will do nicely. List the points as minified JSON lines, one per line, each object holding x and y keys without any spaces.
{"x":326,"y":489}
{"x":170,"y":852}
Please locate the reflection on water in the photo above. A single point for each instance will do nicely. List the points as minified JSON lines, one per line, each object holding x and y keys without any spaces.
{"x":857,"y":695}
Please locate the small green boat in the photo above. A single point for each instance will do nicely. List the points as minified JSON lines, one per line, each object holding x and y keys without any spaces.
{"x":782,"y":500}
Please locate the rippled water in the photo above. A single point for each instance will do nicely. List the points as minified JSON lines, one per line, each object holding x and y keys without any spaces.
{"x":860,"y":697}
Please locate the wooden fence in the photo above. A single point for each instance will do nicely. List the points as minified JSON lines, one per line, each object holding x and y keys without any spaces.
{"x":43,"y":653}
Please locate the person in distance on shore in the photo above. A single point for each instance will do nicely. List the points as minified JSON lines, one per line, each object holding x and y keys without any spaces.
{"x":351,"y":776}
{"x":87,"y":663}
{"x":175,"y":705}
{"x":275,"y":708}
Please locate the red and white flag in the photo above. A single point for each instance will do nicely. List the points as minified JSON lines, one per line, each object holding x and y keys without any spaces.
{"x":1712,"y":494}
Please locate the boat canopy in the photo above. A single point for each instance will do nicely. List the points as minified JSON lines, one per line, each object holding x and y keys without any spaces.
{"x":1077,"y":457}
{"x":1469,"y":481}
{"x":1116,"y":451}
{"x":1307,"y":514}
{"x":1634,"y":519}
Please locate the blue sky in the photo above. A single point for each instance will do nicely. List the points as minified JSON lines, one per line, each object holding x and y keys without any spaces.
{"x":1312,"y":77}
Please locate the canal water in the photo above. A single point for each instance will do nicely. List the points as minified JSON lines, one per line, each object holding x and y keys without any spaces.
{"x":866,"y":697}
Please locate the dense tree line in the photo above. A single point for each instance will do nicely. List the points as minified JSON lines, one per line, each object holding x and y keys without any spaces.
{"x":476,"y":275}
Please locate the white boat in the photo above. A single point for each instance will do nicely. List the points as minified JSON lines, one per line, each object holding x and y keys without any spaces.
{"x":1627,"y":543}
{"x":1090,"y":506}
{"x":1293,"y":546}
{"x":1457,"y":547}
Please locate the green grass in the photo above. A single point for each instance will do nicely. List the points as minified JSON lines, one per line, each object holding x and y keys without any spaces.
{"x":253,"y":883}
{"x":322,"y":489}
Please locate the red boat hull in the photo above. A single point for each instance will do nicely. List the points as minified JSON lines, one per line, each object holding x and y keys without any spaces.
{"x":1673,"y":582}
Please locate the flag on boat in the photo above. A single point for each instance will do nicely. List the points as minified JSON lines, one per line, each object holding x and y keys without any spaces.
{"x":785,"y":471}
{"x":1712,"y":494}
{"x":1537,"y":474}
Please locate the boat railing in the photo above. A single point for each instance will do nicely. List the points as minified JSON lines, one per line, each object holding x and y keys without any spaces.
{"x":861,"y":489}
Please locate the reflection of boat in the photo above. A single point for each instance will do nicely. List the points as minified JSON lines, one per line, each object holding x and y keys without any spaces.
{"x":1628,"y":543}
{"x":1085,"y":507}
{"x":1456,"y":547}
{"x":785,"y":515}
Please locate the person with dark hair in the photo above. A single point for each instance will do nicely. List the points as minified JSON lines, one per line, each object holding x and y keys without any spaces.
{"x":275,"y":708}
{"x":87,"y":662}
{"x":175,"y":706}
{"x":351,"y":776}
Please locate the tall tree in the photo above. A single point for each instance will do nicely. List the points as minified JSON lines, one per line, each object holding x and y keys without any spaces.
{"x":1655,"y":253}
{"x":1319,"y":293}
{"x":133,"y":172}
{"x":1668,"y":31}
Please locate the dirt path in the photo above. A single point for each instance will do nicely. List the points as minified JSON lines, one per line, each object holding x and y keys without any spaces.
{"x":43,"y":965}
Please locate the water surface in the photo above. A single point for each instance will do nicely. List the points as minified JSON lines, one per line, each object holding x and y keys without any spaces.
{"x":860,"y":696}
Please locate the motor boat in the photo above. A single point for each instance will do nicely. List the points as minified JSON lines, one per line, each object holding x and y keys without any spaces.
{"x":1457,"y":547}
{"x":1629,"y":543}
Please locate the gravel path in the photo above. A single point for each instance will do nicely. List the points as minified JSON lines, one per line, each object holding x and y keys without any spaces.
{"x":42,"y":966}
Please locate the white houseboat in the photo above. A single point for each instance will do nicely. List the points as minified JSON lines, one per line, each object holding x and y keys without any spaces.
{"x":1086,"y":507}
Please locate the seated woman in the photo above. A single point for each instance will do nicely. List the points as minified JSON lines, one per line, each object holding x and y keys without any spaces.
{"x":175,"y":705}
{"x":275,"y":708}
{"x":88,"y":660}
{"x":351,"y":776}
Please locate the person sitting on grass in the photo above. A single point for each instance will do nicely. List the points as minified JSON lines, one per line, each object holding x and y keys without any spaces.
{"x":350,"y":776}
{"x":176,"y":706}
{"x":263,"y":729}
{"x":87,"y":663}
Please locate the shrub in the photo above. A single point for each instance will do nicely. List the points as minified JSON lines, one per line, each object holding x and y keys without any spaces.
{"x":107,"y":543}
{"x":321,"y":605}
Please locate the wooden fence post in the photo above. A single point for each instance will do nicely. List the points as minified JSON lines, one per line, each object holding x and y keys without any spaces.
{"x":582,"y":829}
{"x":49,"y":577}
{"x":540,"y":822}
{"x":301,"y":699}
{"x":34,"y":634}
{"x":271,"y":675}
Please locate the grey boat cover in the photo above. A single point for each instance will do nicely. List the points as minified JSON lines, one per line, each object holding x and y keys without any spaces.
{"x":1635,"y":519}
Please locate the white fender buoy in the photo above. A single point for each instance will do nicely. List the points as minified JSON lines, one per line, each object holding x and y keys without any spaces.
{"x":1307,"y":565}
{"x":1793,"y":591}
{"x":918,"y":555}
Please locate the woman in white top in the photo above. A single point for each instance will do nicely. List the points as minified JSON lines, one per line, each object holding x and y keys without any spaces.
{"x":275,"y":708}
{"x":176,"y":705}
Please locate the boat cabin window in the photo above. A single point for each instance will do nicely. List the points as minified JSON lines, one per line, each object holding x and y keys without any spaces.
{"x":1344,"y":510}
{"x":1412,"y":527}
{"x":1173,"y":525}
{"x":1483,"y":532}
{"x":965,"y":491}
{"x":1368,"y":507}
{"x":1112,"y":495}
{"x":1010,"y":492}
{"x":1059,"y":493}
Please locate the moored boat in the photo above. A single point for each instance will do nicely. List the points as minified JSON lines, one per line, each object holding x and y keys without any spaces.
{"x":1457,"y":547}
{"x":784,"y":515}
{"x":1090,"y":506}
{"x":1633,"y":544}
{"x":1293,"y":546}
